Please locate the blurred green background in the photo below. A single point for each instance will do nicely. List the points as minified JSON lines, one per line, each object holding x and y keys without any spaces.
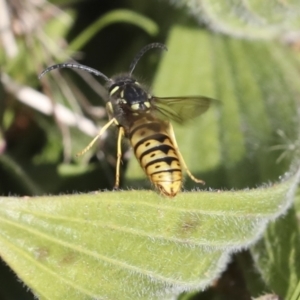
{"x":247,"y":56}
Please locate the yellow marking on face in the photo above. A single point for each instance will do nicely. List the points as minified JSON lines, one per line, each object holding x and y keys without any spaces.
{"x":135,"y":106}
{"x":122,"y":94}
{"x":114,"y":90}
{"x":122,"y":101}
{"x":147,"y":104}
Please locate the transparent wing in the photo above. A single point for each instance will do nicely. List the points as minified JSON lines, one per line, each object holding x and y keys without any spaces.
{"x":180,"y":109}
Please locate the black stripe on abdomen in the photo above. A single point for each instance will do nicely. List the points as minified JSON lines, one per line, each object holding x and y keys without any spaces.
{"x":152,"y":151}
{"x":167,"y":160}
{"x":159,"y":137}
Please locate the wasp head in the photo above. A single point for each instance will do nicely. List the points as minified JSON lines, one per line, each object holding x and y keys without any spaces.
{"x":127,"y":93}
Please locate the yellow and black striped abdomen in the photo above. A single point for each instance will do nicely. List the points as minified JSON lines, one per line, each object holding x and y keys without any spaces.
{"x":157,"y":155}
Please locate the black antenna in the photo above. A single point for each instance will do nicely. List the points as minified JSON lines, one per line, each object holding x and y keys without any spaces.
{"x":142,"y":52}
{"x":74,"y":66}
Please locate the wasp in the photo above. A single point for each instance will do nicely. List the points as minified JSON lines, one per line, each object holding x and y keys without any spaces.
{"x":145,"y":120}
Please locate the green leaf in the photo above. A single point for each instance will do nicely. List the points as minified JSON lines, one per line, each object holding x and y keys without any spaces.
{"x":132,"y":245}
{"x":118,"y":15}
{"x":253,"y":81}
{"x":253,"y":19}
{"x":296,"y":293}
{"x":277,"y":255}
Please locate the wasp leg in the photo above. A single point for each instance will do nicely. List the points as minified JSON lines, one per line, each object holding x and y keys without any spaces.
{"x":172,"y":136}
{"x":119,"y":156}
{"x":103,"y":129}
